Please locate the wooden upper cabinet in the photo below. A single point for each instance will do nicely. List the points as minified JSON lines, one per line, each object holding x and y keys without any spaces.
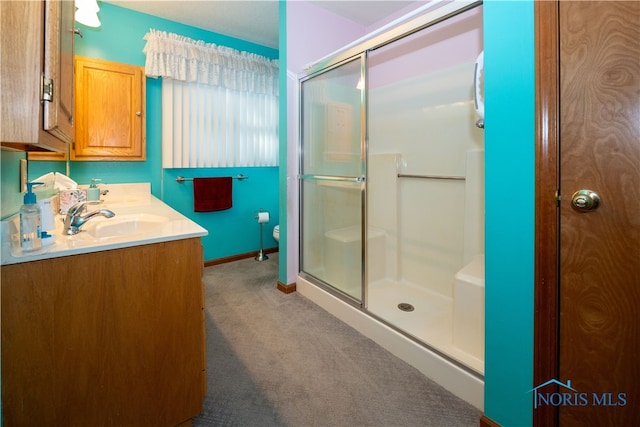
{"x":110,"y":111}
{"x":37,"y":47}
{"x":58,"y":65}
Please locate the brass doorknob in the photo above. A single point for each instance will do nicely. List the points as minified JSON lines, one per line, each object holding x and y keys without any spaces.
{"x":585,"y":201}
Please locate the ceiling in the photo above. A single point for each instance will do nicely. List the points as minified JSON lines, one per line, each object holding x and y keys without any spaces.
{"x":254,"y":20}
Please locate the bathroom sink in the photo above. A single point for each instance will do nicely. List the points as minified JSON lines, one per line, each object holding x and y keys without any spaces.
{"x":125,"y":225}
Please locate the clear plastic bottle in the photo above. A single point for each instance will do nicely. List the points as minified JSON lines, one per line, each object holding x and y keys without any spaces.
{"x":30,"y":222}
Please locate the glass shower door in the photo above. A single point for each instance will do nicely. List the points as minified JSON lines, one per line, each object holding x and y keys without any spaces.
{"x":425,"y":188}
{"x":331,"y":179}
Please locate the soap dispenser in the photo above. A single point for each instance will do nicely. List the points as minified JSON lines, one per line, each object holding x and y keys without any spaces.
{"x":30,"y":221}
{"x":93,"y":192}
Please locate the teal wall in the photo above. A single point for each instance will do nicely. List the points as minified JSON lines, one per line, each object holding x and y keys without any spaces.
{"x":231,"y":232}
{"x":510,"y":185}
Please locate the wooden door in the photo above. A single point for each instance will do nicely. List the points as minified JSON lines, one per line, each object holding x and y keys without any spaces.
{"x":599,"y":280}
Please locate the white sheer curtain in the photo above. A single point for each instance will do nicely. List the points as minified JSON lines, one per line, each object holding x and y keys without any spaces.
{"x":219,"y":105}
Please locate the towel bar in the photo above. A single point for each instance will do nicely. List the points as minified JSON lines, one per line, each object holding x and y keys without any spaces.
{"x":240,"y":177}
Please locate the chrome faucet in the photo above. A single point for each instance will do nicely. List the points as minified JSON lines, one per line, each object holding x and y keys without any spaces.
{"x":74,"y":219}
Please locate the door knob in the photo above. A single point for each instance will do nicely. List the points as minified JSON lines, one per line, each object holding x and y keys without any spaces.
{"x":585,"y":201}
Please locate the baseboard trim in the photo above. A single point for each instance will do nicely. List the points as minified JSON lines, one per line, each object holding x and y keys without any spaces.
{"x":488,"y":422}
{"x":287,"y":289}
{"x":238,"y":257}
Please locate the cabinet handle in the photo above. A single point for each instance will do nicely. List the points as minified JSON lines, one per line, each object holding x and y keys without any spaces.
{"x":138,"y":113}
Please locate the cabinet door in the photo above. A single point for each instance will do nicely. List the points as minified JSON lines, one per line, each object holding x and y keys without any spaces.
{"x":103,"y":339}
{"x":58,"y":68}
{"x":109,"y":102}
{"x":22,"y":51}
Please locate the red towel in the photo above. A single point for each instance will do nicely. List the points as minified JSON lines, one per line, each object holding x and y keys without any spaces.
{"x":211,"y":194}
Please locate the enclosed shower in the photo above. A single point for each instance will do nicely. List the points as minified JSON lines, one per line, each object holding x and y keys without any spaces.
{"x":392,"y":181}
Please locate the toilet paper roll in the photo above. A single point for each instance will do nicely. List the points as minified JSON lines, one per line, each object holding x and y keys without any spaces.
{"x":263,"y":217}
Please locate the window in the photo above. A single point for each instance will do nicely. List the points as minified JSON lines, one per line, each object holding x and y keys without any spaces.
{"x":219,"y":105}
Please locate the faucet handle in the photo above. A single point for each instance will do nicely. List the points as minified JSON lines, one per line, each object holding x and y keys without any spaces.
{"x":79,"y":207}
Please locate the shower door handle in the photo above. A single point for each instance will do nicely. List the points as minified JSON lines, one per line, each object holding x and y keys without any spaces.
{"x":358,"y":179}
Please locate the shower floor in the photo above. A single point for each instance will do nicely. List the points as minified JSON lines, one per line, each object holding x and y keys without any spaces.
{"x":430,"y":322}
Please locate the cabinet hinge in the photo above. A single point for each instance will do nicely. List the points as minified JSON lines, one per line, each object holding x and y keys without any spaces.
{"x":46,"y":87}
{"x":558,"y":197}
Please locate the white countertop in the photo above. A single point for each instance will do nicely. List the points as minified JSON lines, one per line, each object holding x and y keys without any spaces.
{"x":129,"y":202}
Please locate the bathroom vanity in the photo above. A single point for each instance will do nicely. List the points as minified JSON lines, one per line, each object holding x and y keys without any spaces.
{"x":106,"y":330}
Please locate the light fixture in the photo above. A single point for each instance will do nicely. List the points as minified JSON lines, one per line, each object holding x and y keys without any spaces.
{"x":87,"y":12}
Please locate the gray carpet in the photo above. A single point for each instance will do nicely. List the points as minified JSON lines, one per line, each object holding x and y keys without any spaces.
{"x":280,"y":360}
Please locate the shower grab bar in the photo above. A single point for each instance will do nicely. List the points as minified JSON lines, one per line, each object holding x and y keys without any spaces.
{"x":240,"y":177}
{"x":457,"y":178}
{"x":332,"y":178}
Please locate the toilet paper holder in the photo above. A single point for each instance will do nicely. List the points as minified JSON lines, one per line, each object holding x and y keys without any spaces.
{"x":263,"y":217}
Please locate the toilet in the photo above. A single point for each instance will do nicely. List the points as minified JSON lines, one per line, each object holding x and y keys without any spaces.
{"x":276,"y":233}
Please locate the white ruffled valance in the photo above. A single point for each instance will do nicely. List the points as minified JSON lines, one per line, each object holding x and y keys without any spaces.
{"x":181,"y":58}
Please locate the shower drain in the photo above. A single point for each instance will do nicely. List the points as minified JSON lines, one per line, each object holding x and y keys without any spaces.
{"x":405,"y":306}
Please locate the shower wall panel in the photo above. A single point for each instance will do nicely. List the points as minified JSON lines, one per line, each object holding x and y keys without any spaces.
{"x":429,"y":121}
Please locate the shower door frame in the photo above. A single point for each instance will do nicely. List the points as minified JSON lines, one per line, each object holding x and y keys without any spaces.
{"x":362,"y":49}
{"x":356,"y":179}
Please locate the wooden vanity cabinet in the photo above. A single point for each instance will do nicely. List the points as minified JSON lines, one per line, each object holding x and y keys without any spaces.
{"x":107,"y":338}
{"x":37,"y":47}
{"x":110,"y":111}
